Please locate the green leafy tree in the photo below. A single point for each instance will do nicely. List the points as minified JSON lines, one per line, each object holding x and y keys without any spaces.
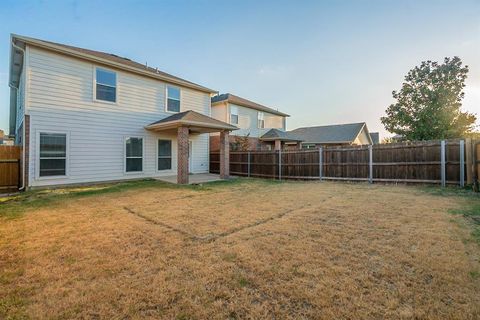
{"x":428,"y":104}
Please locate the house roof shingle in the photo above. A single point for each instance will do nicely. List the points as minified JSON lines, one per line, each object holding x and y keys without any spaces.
{"x":375,"y":137}
{"x":275,"y":134}
{"x":191,"y":117}
{"x":340,"y":133}
{"x":228,"y":97}
{"x":112,"y":59}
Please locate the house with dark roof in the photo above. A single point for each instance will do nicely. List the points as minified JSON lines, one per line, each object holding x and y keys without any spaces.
{"x":313,"y":137}
{"x":253,"y":120}
{"x":333,"y":135}
{"x":86,"y":116}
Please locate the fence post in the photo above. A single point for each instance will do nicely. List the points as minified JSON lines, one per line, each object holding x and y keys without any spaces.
{"x":468,"y":160}
{"x":248,"y":163}
{"x":442,"y":163}
{"x":370,"y":164}
{"x":476,"y":164}
{"x":320,"y":162}
{"x":280,"y":164}
{"x":462,"y":163}
{"x":19,"y":177}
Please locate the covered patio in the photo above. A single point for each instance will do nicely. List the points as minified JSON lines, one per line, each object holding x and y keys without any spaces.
{"x":191,"y":122}
{"x":281,"y":139}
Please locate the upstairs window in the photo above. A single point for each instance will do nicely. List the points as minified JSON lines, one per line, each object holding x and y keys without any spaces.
{"x":233,"y":115}
{"x":105,"y":85}
{"x":134,"y":154}
{"x":53,"y":154}
{"x":173,"y":99}
{"x":164,"y":154}
{"x":261,"y":121}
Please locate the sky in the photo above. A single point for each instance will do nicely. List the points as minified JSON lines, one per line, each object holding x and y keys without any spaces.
{"x":322,"y":62}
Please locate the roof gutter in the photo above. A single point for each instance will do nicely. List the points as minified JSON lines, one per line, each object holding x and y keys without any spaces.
{"x":22,"y":187}
{"x":272,"y":111}
{"x":74,"y":53}
{"x":23,"y":51}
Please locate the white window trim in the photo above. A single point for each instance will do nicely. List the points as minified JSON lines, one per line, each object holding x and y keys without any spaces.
{"x":166,"y":99}
{"x":37,"y":156}
{"x":234,"y":113}
{"x":125,"y":155}
{"x":258,"y":119}
{"x":95,"y":85}
{"x":171,"y":156}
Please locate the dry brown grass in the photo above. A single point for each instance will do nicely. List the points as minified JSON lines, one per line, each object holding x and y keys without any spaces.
{"x":251,"y":249}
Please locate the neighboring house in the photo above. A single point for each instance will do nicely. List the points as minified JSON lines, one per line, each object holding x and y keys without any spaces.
{"x":5,"y":140}
{"x":397,"y":138}
{"x":332,"y":135}
{"x":86,"y":116}
{"x":375,"y":137}
{"x":282,"y":139}
{"x":252,"y":119}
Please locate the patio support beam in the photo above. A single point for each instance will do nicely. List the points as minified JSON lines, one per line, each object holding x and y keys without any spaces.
{"x":224,"y":155}
{"x":182,"y":155}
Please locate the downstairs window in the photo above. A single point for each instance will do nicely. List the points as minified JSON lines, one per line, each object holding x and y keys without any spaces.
{"x":53,"y":154}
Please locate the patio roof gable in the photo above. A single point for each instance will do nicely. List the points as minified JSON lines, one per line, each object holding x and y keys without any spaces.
{"x":195,"y":121}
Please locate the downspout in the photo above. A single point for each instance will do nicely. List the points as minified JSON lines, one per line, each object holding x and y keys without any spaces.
{"x":23,"y":127}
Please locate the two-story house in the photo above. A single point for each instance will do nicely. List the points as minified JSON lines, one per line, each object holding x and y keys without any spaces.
{"x":252,"y":119}
{"x":86,"y":116}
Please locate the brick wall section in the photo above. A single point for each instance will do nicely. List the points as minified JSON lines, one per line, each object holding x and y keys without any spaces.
{"x":255,"y":144}
{"x":182,"y":157}
{"x":224,"y":155}
{"x":26,"y":150}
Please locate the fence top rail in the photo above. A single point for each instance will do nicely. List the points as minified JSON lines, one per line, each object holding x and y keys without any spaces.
{"x":419,"y":143}
{"x":349,"y":148}
{"x":301,"y":151}
{"x":397,"y":145}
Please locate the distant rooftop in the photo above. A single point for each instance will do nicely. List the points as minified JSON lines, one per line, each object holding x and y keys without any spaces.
{"x":339,"y":133}
{"x":275,"y":134}
{"x":228,"y":97}
{"x":375,"y":137}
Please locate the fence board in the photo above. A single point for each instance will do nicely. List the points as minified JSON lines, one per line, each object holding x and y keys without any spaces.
{"x":399,"y":162}
{"x":9,"y":167}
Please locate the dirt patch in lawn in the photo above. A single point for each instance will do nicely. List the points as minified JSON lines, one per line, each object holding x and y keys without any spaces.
{"x":251,"y":249}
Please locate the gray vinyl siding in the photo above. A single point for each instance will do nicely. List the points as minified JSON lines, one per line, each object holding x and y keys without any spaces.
{"x":20,"y":102}
{"x":219,"y":112}
{"x":247,"y":122}
{"x":61,"y":99}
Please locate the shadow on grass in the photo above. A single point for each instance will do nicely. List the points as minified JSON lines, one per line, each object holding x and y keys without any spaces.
{"x":471,"y":207}
{"x":450,"y":191}
{"x":15,"y":205}
{"x":471,"y":211}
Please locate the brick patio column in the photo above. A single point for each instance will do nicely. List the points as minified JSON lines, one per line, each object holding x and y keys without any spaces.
{"x":278,"y":145}
{"x":224,"y":155}
{"x":182,"y":155}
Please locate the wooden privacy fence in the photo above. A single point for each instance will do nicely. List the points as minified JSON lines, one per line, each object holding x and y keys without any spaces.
{"x":9,"y":167}
{"x":441,"y":162}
